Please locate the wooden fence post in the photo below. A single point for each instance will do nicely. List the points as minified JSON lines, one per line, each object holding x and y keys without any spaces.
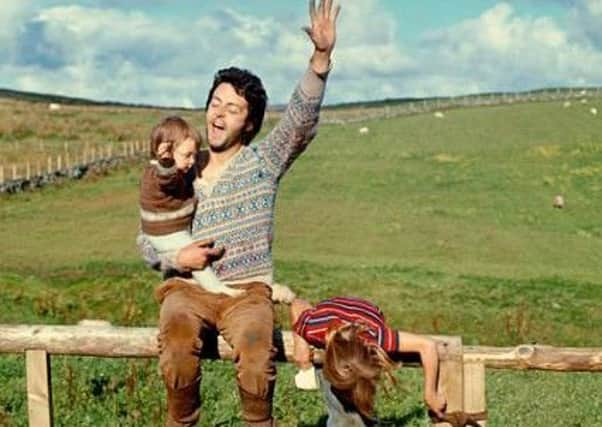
{"x":27,"y":171}
{"x":14,"y":171}
{"x":451,"y":374}
{"x":39,"y":392}
{"x":1,"y":174}
{"x":474,"y":389}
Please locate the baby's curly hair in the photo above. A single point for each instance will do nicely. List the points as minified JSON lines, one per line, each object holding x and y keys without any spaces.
{"x":172,"y":130}
{"x":354,"y":366}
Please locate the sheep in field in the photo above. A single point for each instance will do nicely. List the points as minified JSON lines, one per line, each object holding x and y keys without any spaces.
{"x":558,"y":202}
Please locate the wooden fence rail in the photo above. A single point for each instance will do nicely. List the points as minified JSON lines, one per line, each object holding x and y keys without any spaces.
{"x":104,"y":340}
{"x":461,"y":377}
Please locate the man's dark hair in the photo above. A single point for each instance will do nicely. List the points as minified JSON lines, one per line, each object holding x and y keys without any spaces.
{"x":249,"y":86}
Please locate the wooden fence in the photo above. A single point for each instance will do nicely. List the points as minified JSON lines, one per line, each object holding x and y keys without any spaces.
{"x":462,"y":368}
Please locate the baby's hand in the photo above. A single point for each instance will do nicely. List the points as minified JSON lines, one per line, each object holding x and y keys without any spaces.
{"x":164,"y":150}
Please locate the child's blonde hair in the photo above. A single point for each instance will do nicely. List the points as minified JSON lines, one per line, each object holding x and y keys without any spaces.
{"x":173,"y":130}
{"x":353,"y":367}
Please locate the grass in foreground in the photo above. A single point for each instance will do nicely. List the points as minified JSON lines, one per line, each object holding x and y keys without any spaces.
{"x":96,"y":392}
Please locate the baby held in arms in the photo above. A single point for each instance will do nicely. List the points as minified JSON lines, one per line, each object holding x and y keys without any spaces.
{"x":167,"y":201}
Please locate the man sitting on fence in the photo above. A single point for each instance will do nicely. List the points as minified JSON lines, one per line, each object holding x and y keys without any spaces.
{"x":236,"y":191}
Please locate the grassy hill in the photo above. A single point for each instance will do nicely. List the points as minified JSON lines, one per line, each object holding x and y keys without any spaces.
{"x":446,"y":223}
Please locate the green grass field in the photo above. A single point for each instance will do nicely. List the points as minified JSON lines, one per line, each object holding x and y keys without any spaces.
{"x":446,"y":223}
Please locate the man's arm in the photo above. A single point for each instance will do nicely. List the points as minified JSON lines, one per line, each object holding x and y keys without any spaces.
{"x":195,"y":256}
{"x":298,"y":125}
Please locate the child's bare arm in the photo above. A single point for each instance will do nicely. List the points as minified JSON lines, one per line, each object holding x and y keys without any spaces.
{"x":301,"y":349}
{"x":427,"y":348}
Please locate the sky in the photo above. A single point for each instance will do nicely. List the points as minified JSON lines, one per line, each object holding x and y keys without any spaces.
{"x":165,"y":52}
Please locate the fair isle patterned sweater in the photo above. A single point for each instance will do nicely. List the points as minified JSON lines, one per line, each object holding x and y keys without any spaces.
{"x":238,"y":210}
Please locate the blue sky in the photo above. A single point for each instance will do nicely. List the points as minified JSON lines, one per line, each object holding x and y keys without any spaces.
{"x":165,"y":53}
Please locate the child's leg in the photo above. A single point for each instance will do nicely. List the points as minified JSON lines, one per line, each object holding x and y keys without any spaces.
{"x":209,"y":281}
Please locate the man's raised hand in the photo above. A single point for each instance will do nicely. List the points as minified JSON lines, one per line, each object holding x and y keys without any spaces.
{"x":322,"y":32}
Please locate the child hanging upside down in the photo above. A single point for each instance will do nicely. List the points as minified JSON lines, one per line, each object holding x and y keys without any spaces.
{"x":358,"y":344}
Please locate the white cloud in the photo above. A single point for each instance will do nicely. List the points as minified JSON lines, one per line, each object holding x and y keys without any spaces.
{"x":369,"y":59}
{"x":12,"y":17}
{"x":594,"y":7}
{"x":109,"y":54}
{"x":126,"y":55}
{"x":500,"y":50}
{"x":586,"y":17}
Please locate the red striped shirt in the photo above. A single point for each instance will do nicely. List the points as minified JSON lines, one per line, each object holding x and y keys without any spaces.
{"x":313,"y":324}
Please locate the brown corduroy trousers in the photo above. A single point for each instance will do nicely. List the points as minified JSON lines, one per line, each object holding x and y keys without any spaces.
{"x":187,"y":313}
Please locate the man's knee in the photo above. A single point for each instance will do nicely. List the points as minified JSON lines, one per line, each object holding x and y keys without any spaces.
{"x":257,"y":370}
{"x":179,"y":350}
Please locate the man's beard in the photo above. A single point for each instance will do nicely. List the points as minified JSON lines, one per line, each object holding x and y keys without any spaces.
{"x":225,"y":146}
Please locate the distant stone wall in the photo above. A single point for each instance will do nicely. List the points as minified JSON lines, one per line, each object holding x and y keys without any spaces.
{"x":74,"y":172}
{"x":92,"y":160}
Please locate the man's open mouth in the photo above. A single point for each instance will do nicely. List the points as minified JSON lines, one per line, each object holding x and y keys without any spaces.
{"x":219,"y":127}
